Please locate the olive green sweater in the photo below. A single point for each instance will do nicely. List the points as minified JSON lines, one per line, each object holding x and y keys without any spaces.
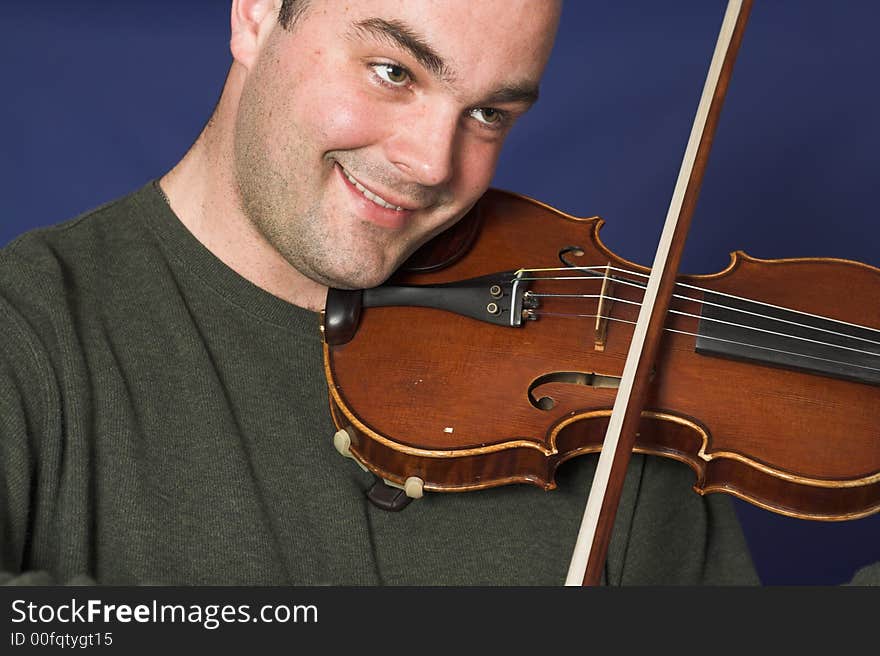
{"x":165,"y":421}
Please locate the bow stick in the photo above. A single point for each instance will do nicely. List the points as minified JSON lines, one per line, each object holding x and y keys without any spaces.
{"x":591,"y":546}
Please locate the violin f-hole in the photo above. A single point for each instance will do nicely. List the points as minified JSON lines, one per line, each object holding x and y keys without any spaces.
{"x":577,"y":251}
{"x":572,"y":378}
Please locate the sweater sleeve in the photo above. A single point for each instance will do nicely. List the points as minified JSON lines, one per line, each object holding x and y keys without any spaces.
{"x":23,"y":409}
{"x":867,"y":575}
{"x":26,"y":412}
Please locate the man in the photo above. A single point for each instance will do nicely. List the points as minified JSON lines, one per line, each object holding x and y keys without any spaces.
{"x":164,"y":412}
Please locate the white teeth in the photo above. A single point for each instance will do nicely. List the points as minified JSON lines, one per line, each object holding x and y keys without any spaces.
{"x":381,"y":202}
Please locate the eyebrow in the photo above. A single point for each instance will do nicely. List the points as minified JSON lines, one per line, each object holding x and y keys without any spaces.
{"x":516,"y":93}
{"x":399,"y":34}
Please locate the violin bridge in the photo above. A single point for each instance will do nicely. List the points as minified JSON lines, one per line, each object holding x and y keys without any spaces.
{"x":603,"y":311}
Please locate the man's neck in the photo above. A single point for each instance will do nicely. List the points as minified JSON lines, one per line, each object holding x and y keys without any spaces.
{"x":201,"y":191}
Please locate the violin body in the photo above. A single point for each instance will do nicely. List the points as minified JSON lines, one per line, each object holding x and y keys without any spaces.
{"x":462,"y":404}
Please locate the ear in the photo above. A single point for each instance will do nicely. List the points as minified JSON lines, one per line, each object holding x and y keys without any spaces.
{"x":252,"y":21}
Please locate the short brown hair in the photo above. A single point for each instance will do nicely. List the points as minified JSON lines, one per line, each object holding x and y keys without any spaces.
{"x":290,"y":11}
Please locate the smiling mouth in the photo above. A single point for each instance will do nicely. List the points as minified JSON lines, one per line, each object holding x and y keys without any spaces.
{"x":369,"y":195}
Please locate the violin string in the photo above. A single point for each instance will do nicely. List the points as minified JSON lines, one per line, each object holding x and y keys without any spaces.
{"x":723,"y":307}
{"x":597,"y":277}
{"x":719,"y":339}
{"x":728,"y":323}
{"x":640,"y":285}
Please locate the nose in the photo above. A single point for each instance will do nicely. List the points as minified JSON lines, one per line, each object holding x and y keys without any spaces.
{"x":422,"y":144}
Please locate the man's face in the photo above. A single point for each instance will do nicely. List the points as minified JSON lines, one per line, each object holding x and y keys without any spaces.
{"x":372,"y":126}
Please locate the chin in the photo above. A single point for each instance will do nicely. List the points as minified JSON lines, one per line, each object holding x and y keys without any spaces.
{"x":360,"y":279}
{"x":360,"y":282}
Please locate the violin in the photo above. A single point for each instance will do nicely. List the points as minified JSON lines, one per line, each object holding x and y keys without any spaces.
{"x":466,"y":371}
{"x":472,"y":369}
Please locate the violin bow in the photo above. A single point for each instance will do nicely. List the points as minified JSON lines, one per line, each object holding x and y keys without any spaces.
{"x":591,"y":547}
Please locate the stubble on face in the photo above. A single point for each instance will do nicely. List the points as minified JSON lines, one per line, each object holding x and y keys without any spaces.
{"x":276,"y":168}
{"x":301,"y":111}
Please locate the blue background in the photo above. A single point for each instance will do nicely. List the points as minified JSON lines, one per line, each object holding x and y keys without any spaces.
{"x":99,"y":97}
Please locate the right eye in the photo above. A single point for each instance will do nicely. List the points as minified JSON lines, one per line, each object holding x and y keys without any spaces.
{"x":392,"y":74}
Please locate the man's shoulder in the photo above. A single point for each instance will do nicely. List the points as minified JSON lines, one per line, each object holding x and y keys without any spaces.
{"x":78,"y":267}
{"x":83,"y":240}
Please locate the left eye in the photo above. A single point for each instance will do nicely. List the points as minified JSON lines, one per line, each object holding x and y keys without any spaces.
{"x":487,"y":115}
{"x":392,"y":74}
